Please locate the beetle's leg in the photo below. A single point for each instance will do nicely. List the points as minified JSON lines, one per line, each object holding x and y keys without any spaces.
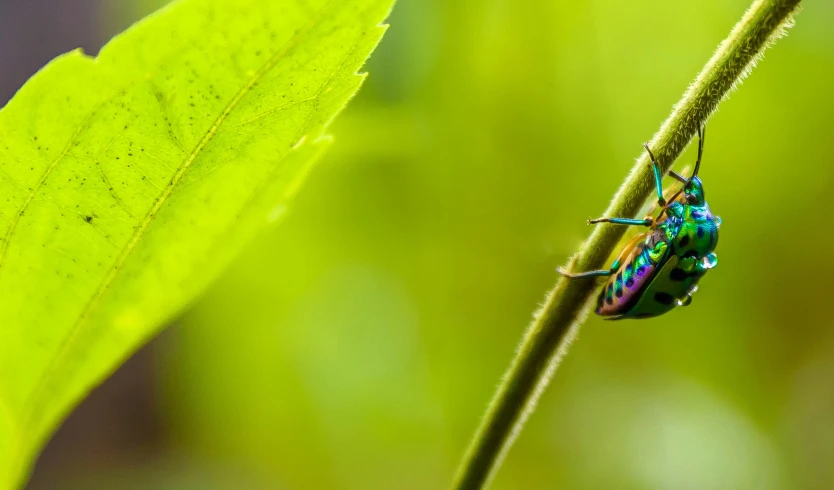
{"x":669,"y":195}
{"x":658,"y":176}
{"x":623,"y":221}
{"x":597,"y":273}
{"x":614,"y":267}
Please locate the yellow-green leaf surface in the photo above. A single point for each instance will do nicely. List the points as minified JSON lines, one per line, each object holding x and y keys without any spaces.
{"x":129,"y":180}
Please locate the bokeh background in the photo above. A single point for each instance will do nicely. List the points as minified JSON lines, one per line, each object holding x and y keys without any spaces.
{"x":356,"y":345}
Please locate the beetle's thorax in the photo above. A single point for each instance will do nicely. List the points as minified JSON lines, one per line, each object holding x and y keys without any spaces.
{"x":697,"y":234}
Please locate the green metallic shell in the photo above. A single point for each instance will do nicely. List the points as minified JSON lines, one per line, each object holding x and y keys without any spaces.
{"x":661,"y":268}
{"x":634,"y":273}
{"x":683,"y":243}
{"x":671,"y":285}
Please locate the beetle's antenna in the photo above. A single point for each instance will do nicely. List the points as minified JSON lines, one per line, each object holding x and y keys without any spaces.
{"x":702,"y":132}
{"x":680,"y":178}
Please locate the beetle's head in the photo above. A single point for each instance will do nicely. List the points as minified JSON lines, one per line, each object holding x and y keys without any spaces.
{"x":693,"y":191}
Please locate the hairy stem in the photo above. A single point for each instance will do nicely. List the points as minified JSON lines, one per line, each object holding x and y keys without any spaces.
{"x":556,"y":323}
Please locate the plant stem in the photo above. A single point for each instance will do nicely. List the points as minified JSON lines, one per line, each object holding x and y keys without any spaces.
{"x":555,"y":325}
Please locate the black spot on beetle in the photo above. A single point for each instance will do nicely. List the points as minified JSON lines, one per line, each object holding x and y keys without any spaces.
{"x":618,"y":293}
{"x":700,"y":232}
{"x":664,"y":298}
{"x":684,"y":241}
{"x":678,"y":274}
{"x":629,"y":282}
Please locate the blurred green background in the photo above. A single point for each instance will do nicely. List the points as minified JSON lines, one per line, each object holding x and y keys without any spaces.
{"x":356,"y":345}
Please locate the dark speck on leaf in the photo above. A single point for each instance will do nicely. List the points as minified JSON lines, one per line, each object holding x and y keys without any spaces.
{"x":88,"y":219}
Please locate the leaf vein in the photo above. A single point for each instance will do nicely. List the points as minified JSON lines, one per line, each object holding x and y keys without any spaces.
{"x":4,"y":246}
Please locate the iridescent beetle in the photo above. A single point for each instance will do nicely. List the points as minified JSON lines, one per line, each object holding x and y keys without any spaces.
{"x":660,"y":268}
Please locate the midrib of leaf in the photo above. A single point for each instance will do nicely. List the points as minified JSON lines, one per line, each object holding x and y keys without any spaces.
{"x":41,"y":385}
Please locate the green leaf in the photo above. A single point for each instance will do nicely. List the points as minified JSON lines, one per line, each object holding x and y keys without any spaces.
{"x":128,"y":181}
